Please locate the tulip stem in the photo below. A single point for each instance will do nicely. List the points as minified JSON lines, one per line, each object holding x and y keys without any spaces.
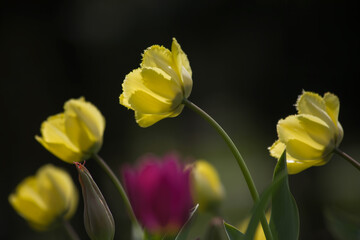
{"x":120,"y":188}
{"x":70,"y":231}
{"x":347,"y":158}
{"x":238,"y":157}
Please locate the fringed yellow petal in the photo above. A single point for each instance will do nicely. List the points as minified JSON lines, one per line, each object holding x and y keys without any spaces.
{"x":183,"y":67}
{"x":161,"y":84}
{"x":313,"y":104}
{"x":277,"y":149}
{"x":291,"y":128}
{"x":62,"y":151}
{"x":146,"y":120}
{"x":302,"y":151}
{"x":295,"y":167}
{"x":332,"y":104}
{"x":160,"y":57}
{"x":317,"y":129}
{"x":149,"y":104}
{"x":86,"y":121}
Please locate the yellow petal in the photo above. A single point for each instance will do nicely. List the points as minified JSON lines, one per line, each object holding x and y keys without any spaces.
{"x":84,"y":123}
{"x":53,"y":131}
{"x":332,"y":106}
{"x":313,"y":104}
{"x":292,"y":128}
{"x":295,"y":167}
{"x":162,"y":85}
{"x":317,"y":129}
{"x":160,"y":57}
{"x":146,"y":120}
{"x":133,"y":82}
{"x":58,"y":189}
{"x":277,"y":149}
{"x":148,"y":104}
{"x":62,"y":151}
{"x":183,"y":67}
{"x":302,"y":151}
{"x":180,"y":57}
{"x":29,"y":204}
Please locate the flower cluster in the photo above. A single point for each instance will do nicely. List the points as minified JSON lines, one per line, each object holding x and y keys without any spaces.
{"x":161,"y":194}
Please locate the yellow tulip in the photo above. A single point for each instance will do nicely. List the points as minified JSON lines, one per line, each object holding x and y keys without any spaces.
{"x":156,"y":90}
{"x":206,"y":187}
{"x":46,"y":198}
{"x":75,"y":134}
{"x":311,"y":136}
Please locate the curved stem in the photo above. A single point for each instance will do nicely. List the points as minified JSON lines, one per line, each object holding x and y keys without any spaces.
{"x":120,"y":188}
{"x":347,"y":158}
{"x":70,"y":231}
{"x":238,"y":157}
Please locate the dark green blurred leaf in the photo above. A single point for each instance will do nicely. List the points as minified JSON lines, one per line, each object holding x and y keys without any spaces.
{"x":184,"y":232}
{"x":342,"y":225}
{"x":260,"y":206}
{"x":232,"y":232}
{"x":284,"y":221}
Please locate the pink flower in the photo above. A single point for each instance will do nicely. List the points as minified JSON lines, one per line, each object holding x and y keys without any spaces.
{"x":159,"y":191}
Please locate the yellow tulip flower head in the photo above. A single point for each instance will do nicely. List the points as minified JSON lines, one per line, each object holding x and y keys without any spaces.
{"x":310,"y":136}
{"x":46,"y":198}
{"x":75,"y":134}
{"x":156,"y":90}
{"x":206,"y":187}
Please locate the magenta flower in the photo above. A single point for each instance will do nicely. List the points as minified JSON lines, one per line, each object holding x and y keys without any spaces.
{"x":159,"y":191}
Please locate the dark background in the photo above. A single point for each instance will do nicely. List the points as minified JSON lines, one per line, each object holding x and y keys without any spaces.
{"x":250,"y":61}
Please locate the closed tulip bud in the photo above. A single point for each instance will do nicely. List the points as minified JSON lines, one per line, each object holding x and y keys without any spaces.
{"x":75,"y":134}
{"x":45,"y":199}
{"x":156,"y":90}
{"x":98,"y":220}
{"x":310,"y":136}
{"x":206,"y":187}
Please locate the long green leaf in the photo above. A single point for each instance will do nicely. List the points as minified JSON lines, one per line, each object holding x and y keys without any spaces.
{"x":233,"y":233}
{"x":284,"y":221}
{"x":261,"y":205}
{"x":184,"y":232}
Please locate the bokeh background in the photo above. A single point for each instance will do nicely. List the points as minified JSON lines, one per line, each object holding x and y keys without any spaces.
{"x":250,"y":61}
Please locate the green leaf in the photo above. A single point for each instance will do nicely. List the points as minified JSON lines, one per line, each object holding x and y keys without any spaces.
{"x":284,"y":221}
{"x":184,"y":232}
{"x":260,"y":206}
{"x":232,"y":232}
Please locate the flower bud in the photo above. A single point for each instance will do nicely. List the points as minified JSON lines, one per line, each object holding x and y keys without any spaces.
{"x":206,"y":187}
{"x":98,"y":220}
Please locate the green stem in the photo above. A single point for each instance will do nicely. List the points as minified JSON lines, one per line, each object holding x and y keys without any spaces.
{"x":70,"y":231}
{"x":238,"y":157}
{"x":120,"y":188}
{"x":347,"y":158}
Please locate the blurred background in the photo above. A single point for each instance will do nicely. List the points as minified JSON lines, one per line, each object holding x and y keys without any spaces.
{"x":250,"y":61}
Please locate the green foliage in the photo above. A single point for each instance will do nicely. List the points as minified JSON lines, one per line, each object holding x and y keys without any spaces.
{"x":185,"y":230}
{"x":284,"y":221}
{"x":233,"y":233}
